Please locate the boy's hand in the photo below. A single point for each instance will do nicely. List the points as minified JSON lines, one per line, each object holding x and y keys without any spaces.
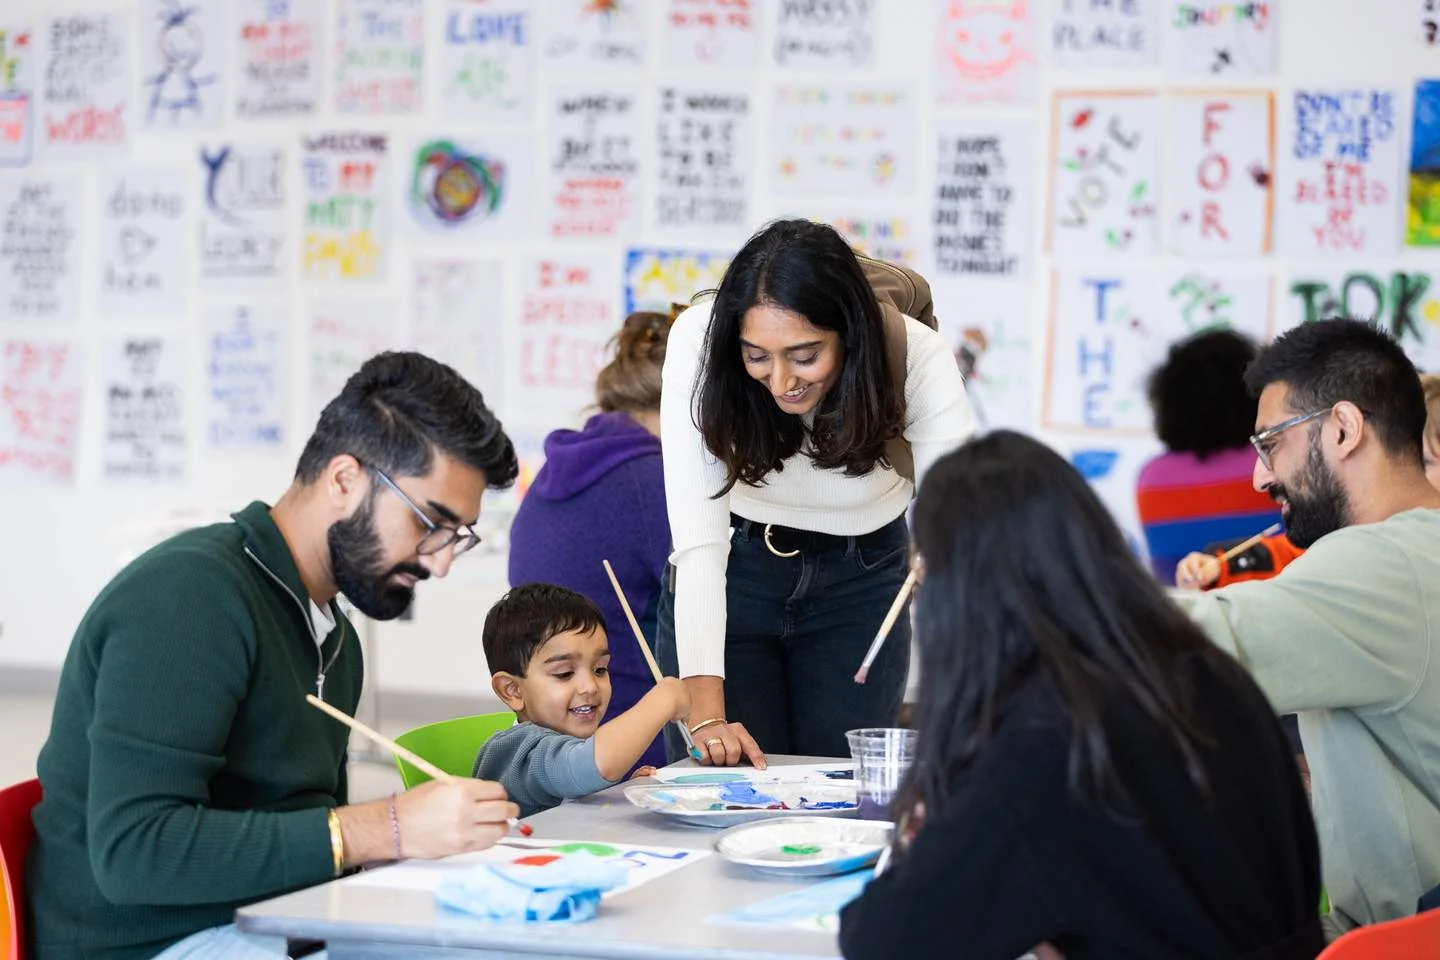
{"x":679,"y":695}
{"x":1197,"y":571}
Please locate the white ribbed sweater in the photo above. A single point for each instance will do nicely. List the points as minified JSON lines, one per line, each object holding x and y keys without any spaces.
{"x":938,"y":419}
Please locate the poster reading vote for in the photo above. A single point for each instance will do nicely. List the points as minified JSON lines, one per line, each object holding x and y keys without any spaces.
{"x":144,"y":409}
{"x":982,"y":215}
{"x":39,"y":248}
{"x":245,"y":376}
{"x":702,"y":158}
{"x":277,"y":57}
{"x":182,"y":74}
{"x":39,"y":410}
{"x":144,"y":243}
{"x":723,"y":34}
{"x":843,"y":141}
{"x":1220,"y":38}
{"x":243,"y":217}
{"x":1110,"y":327}
{"x":346,"y":226}
{"x":86,"y":91}
{"x":656,"y":279}
{"x":1104,"y":33}
{"x":18,"y":45}
{"x":1103,"y":174}
{"x":1222,"y":162}
{"x":824,"y":36}
{"x":446,"y":323}
{"x":1422,"y":220}
{"x":567,"y":316}
{"x":585,"y":34}
{"x":487,"y":59}
{"x":380,"y":57}
{"x":1340,"y":179}
{"x":985,"y":50}
{"x":594,"y":162}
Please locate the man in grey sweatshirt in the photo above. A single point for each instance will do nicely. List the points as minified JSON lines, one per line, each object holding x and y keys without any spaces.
{"x":1348,"y":635}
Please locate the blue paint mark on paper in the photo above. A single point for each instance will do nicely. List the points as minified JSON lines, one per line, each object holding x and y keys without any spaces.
{"x":1094,"y":464}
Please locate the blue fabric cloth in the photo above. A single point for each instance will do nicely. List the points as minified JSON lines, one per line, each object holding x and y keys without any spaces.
{"x":601,"y":495}
{"x":565,"y":891}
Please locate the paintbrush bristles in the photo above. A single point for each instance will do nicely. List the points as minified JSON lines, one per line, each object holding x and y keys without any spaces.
{"x":886,"y":626}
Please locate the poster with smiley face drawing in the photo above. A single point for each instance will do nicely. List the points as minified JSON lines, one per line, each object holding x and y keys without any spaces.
{"x":985,"y":51}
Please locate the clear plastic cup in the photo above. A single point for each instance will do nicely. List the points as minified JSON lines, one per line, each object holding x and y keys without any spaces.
{"x":882,"y":755}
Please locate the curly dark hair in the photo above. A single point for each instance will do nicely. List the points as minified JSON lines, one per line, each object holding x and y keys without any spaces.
{"x":1199,"y":397}
{"x":398,"y":410}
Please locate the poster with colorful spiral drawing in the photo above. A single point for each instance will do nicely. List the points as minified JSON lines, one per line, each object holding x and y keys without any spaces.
{"x":1422,"y":214}
{"x":183,"y":79}
{"x":1103,"y":190}
{"x":591,"y":34}
{"x":844,"y":141}
{"x":985,"y":50}
{"x":1220,"y":173}
{"x":346,"y":223}
{"x":1339,"y":176}
{"x":1220,"y":38}
{"x":17,"y":93}
{"x":487,"y":60}
{"x":471,"y":186}
{"x":643,"y":863}
{"x":1109,"y":327}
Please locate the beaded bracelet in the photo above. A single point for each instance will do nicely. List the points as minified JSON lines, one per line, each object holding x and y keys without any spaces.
{"x":395,"y":828}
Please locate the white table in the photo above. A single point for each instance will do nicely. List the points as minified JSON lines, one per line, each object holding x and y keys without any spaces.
{"x":664,"y":919}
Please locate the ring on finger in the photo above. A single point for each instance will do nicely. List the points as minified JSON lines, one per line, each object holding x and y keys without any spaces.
{"x":712,"y":741}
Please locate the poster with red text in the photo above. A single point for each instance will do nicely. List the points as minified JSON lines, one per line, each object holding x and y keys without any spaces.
{"x":985,"y":50}
{"x":1221,"y":173}
{"x":711,"y":34}
{"x":85,"y":94}
{"x":569,"y":310}
{"x":594,"y":188}
{"x":40,"y":397}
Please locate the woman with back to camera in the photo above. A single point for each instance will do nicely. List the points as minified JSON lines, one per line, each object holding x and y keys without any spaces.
{"x":1091,"y":772}
{"x":780,"y":410}
{"x":601,"y":495}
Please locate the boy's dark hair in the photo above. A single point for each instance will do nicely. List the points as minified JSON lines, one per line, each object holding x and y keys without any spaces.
{"x":1199,"y":397}
{"x":398,"y":410}
{"x":523,"y":619}
{"x":1328,"y":361}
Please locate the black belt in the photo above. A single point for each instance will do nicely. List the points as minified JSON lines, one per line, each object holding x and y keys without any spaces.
{"x":788,"y":541}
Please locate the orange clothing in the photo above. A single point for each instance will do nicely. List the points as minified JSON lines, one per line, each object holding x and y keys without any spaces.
{"x":1260,"y":562}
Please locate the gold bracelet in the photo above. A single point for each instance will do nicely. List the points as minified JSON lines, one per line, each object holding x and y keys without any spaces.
{"x":337,"y":841}
{"x":705,"y":723}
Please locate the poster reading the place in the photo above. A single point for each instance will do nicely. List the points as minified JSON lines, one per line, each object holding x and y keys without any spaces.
{"x":445,"y":323}
{"x":1103,"y":174}
{"x":985,"y":50}
{"x":344,"y":333}
{"x":1339,"y":178}
{"x":1221,"y":173}
{"x":1085,"y":34}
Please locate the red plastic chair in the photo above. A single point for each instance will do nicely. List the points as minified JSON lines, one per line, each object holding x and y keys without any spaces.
{"x":16,"y":832}
{"x":1409,"y":938}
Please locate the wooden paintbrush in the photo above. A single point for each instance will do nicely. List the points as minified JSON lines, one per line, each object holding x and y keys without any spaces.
{"x":1241,"y":547}
{"x":886,"y":626}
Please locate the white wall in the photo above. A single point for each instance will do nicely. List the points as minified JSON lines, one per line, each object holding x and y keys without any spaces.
{"x":61,"y":545}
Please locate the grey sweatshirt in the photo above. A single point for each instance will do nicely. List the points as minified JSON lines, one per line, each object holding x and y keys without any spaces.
{"x":1348,"y":637}
{"x":539,"y":767}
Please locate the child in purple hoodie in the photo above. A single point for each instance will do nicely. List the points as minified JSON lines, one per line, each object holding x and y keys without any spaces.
{"x":601,"y":496}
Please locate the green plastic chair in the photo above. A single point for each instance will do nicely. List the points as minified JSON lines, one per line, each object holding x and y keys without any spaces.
{"x":449,"y":744}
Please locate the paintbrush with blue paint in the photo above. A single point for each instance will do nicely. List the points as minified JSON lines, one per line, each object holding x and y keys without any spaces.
{"x":690,"y":747}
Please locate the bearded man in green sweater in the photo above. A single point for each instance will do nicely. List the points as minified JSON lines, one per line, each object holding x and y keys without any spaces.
{"x":1348,"y":635}
{"x":184,"y":774}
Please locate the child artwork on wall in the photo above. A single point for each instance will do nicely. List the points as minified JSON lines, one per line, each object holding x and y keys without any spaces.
{"x":1218,"y":38}
{"x":1085,"y":34}
{"x":1103,"y":174}
{"x":985,"y":50}
{"x":277,"y":57}
{"x":86,"y":92}
{"x":828,"y":36}
{"x":487,"y":60}
{"x":380,"y":57}
{"x":40,"y":397}
{"x":711,"y":34}
{"x":657,"y":278}
{"x":594,"y":162}
{"x":346,"y":220}
{"x":1221,"y":176}
{"x":471,"y":186}
{"x":591,"y":34}
{"x":17,"y":93}
{"x":843,"y":141}
{"x":1422,"y":216}
{"x":1404,"y":302}
{"x":182,"y":75}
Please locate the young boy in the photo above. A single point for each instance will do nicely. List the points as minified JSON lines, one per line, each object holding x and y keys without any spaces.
{"x":549,"y":662}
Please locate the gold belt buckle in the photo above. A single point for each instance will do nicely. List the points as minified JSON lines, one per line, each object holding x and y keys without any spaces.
{"x":771,"y":547}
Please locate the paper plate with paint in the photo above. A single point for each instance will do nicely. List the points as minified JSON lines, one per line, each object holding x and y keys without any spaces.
{"x":805,"y":846}
{"x":726,"y":804}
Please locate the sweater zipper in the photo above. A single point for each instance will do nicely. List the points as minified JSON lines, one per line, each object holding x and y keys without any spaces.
{"x":324,"y":667}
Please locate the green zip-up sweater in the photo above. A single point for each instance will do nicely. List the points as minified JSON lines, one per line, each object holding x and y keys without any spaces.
{"x":185,"y":775}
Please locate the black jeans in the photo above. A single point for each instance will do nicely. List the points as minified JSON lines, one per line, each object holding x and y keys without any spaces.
{"x":796,"y":631}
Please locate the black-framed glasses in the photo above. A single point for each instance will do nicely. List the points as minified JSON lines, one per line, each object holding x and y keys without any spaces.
{"x":1261,"y":440}
{"x":439,"y":537}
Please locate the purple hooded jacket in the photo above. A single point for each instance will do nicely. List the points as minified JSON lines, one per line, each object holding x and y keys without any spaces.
{"x":601,"y":495}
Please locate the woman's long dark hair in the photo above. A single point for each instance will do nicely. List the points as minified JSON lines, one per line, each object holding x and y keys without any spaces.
{"x":1026,"y":579}
{"x":805,"y":268}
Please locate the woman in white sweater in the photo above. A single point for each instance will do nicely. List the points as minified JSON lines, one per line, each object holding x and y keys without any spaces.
{"x":788,"y":521}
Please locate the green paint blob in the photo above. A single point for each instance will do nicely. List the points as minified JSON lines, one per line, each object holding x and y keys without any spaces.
{"x":800,"y":849}
{"x":594,"y":849}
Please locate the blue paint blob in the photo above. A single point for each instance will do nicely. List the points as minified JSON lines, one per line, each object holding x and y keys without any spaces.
{"x":742,"y":792}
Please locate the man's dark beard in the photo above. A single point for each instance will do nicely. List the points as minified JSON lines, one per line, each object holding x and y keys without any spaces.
{"x":1322,"y":508}
{"x":356,"y":562}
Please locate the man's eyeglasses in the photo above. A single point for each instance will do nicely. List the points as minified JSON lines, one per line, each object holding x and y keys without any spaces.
{"x":439,"y":537}
{"x":1262,"y":440}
